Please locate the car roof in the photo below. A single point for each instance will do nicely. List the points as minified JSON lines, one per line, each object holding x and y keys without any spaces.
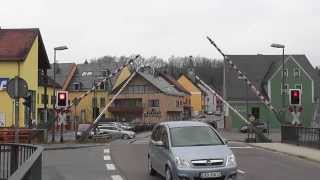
{"x":175,"y":124}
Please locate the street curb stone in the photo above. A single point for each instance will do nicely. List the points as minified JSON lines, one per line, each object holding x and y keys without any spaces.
{"x":286,"y":153}
{"x":68,"y":146}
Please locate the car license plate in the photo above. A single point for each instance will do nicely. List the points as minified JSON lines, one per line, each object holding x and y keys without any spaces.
{"x":210,"y":175}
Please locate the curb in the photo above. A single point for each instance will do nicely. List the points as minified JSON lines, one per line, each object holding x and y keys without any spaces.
{"x":286,"y":153}
{"x":71,"y":147}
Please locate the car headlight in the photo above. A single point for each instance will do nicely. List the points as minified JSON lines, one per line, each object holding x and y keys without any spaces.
{"x":231,"y":161}
{"x":182,"y":163}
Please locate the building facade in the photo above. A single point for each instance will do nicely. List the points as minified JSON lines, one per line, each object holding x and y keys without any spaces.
{"x":197,"y":97}
{"x":267,"y":77}
{"x":147,"y":98}
{"x":22,"y":54}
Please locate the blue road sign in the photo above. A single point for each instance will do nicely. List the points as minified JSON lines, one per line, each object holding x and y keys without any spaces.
{"x":3,"y":83}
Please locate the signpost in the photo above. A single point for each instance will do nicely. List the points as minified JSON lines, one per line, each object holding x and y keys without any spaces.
{"x":17,"y":88}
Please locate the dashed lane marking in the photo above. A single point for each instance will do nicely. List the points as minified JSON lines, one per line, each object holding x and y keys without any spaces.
{"x":110,"y":167}
{"x":106,"y":158}
{"x":106,"y":151}
{"x":116,"y":177}
{"x":241,"y":147}
{"x":240,"y":171}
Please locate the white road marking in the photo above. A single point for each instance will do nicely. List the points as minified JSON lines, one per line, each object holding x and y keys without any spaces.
{"x":116,"y":177}
{"x":240,"y":171}
{"x":241,"y":147}
{"x":106,"y":157}
{"x":110,"y":167}
{"x":106,"y":151}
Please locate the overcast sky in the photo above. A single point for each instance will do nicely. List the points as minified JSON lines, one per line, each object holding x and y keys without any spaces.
{"x":93,"y":28}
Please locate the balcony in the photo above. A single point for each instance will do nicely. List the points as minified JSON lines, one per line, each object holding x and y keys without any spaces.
{"x":125,"y":109}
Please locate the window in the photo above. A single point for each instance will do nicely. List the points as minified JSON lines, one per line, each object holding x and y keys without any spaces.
{"x":255,"y":111}
{"x":156,"y":133}
{"x":84,"y":74}
{"x":286,"y":73}
{"x":102,"y":86}
{"x":296,"y":72}
{"x":38,"y":98}
{"x":164,"y":137}
{"x":286,"y":89}
{"x":200,"y":136}
{"x":76,"y":86}
{"x":44,"y":99}
{"x":154,"y":103}
{"x":298,"y":86}
{"x":53,"y":100}
{"x":102,"y":102}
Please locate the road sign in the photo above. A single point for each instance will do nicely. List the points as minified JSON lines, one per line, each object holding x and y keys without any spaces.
{"x":17,"y":87}
{"x":3,"y":83}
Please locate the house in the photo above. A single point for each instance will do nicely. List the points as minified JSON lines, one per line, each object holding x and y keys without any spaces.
{"x":265,"y":71}
{"x":22,"y":54}
{"x":197,"y":94}
{"x":187,"y":108}
{"x":147,"y":98}
{"x":84,"y":78}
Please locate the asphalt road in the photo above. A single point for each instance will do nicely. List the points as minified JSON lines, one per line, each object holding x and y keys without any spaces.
{"x":77,"y":164}
{"x":254,"y":164}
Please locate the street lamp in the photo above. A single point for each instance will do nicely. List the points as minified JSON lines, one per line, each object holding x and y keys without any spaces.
{"x":283,"y":79}
{"x":58,"y":48}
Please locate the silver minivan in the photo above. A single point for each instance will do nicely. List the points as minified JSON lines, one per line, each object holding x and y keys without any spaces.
{"x":190,"y":150}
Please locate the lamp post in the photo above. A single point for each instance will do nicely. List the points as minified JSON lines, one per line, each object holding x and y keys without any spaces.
{"x":59,"y":48}
{"x":283,"y":79}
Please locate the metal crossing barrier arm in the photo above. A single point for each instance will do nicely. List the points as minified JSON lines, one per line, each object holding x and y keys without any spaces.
{"x":264,"y":100}
{"x":96,"y":121}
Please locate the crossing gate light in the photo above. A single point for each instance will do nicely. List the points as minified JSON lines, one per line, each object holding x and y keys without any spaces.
{"x":62,"y":99}
{"x":295,"y":97}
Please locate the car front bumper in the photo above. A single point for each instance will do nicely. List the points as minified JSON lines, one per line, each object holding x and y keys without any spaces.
{"x":228,"y":173}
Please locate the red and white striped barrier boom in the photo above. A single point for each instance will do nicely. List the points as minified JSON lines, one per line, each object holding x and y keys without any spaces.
{"x":264,"y":100}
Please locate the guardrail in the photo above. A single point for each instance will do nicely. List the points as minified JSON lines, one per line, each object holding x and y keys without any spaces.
{"x":20,"y":162}
{"x":300,"y":136}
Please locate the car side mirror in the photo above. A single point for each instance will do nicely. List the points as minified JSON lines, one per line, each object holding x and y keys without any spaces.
{"x":158,"y":143}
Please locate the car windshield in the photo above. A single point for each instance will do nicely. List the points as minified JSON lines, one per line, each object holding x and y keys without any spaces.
{"x":194,"y":136}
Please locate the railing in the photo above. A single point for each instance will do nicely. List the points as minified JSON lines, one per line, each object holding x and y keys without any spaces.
{"x":20,"y":162}
{"x":301,"y":136}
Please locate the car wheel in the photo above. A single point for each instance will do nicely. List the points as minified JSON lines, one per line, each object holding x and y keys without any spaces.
{"x":168,"y":174}
{"x":125,"y":136}
{"x":151,"y":171}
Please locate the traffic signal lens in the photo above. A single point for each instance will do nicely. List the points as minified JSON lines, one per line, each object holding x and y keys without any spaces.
{"x":62,"y":96}
{"x":295,"y":97}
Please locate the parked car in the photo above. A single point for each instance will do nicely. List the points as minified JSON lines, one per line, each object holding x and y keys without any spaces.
{"x":116,"y":131}
{"x":189,"y":150}
{"x":83,"y":128}
{"x":126,"y":126}
{"x":260,"y":125}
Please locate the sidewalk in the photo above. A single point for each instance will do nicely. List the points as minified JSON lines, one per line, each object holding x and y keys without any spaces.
{"x":235,"y":135}
{"x":298,"y":151}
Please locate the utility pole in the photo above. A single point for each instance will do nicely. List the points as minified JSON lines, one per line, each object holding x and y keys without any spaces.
{"x":54,"y":93}
{"x":45,"y":109}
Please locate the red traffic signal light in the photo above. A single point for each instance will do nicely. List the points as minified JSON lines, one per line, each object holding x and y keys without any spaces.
{"x":295,"y":97}
{"x":62,"y":99}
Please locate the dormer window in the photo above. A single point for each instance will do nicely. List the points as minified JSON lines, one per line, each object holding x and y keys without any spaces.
{"x":84,"y":74}
{"x":296,"y":72}
{"x":76,"y":86}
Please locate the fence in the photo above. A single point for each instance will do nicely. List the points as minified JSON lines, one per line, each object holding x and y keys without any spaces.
{"x":7,"y":135}
{"x":20,"y":162}
{"x":301,"y":136}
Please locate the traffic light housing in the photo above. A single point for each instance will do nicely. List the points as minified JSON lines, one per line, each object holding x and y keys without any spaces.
{"x":27,"y":101}
{"x":62,"y":99}
{"x":295,"y":97}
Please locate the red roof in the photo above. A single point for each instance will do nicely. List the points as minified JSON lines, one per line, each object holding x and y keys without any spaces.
{"x":16,"y":43}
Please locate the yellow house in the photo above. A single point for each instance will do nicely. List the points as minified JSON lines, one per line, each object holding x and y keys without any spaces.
{"x":197,"y":96}
{"x":22,"y":54}
{"x":50,"y":100}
